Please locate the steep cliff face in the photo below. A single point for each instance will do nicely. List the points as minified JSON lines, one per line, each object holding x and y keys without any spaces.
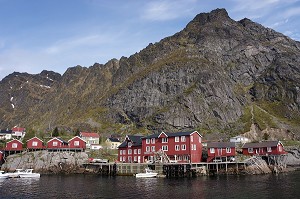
{"x":216,"y":74}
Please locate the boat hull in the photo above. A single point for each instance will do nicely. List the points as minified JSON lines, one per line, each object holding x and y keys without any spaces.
{"x":146,"y":175}
{"x":32,"y":175}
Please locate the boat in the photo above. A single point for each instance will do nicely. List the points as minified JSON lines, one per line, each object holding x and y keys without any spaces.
{"x":23,"y":173}
{"x":27,"y":173}
{"x":148,"y":174}
{"x":3,"y":175}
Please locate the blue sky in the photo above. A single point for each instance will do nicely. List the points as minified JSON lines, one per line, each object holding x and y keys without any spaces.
{"x":58,"y":34}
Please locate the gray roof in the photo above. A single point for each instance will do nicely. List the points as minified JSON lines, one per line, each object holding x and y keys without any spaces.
{"x":170,"y":134}
{"x":135,"y":139}
{"x":220,"y":144}
{"x":261,"y":144}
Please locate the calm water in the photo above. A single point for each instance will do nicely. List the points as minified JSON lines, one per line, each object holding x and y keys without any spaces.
{"x":91,"y":186}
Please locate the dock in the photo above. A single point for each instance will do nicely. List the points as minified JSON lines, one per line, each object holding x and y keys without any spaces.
{"x":166,"y":169}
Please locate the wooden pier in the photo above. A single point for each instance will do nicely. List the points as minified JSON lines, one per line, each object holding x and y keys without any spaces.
{"x":166,"y":169}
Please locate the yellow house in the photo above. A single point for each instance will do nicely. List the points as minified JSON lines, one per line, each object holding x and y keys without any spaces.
{"x":112,"y":143}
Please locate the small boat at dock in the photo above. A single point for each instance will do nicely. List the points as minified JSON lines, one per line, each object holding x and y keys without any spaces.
{"x":23,"y":173}
{"x":3,"y":175}
{"x":148,"y":174}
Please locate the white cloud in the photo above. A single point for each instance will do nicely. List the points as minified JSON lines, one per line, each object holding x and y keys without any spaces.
{"x":291,"y":12}
{"x":167,"y":9}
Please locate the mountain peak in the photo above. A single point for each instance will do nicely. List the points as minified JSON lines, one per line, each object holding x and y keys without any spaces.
{"x":215,"y":15}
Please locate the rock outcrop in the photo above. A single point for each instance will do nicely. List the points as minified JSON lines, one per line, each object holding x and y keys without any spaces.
{"x":47,"y":162}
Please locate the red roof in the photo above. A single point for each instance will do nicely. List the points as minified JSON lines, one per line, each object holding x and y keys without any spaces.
{"x":18,"y":129}
{"x":86,"y":134}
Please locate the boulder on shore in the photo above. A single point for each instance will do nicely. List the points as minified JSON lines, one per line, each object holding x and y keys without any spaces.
{"x":47,"y":162}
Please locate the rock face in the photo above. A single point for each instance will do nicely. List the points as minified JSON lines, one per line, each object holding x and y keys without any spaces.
{"x":47,"y":162}
{"x":216,"y":74}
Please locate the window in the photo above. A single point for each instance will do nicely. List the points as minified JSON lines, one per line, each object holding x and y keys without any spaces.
{"x":129,"y":159}
{"x":147,"y":141}
{"x":192,"y":139}
{"x":176,"y":139}
{"x":269,"y":149}
{"x":250,"y":150}
{"x":280,"y":148}
{"x":164,"y":147}
{"x":124,"y":152}
{"x":129,"y":144}
{"x":183,"y":147}
{"x":121,"y":153}
{"x":186,"y":158}
{"x":14,"y":145}
{"x":76,"y":143}
{"x":152,"y":148}
{"x":177,"y":147}
{"x":212,"y":150}
{"x":164,"y":140}
{"x":228,"y":150}
{"x":139,"y":151}
{"x":134,"y":158}
{"x":124,"y":159}
{"x":194,"y":147}
{"x":121,"y":158}
{"x":34,"y":143}
{"x":134,"y":151}
{"x":182,"y":138}
{"x":55,"y":143}
{"x":148,"y":148}
{"x":129,"y":151}
{"x":152,"y":140}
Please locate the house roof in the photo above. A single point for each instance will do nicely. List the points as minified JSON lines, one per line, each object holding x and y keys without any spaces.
{"x":114,"y":139}
{"x":135,"y":139}
{"x":5,"y":131}
{"x":220,"y":144}
{"x":76,"y":137}
{"x":18,"y":129}
{"x":14,"y":140}
{"x":34,"y":138}
{"x":171,"y":134}
{"x":86,"y":134}
{"x":59,"y":139}
{"x":261,"y":144}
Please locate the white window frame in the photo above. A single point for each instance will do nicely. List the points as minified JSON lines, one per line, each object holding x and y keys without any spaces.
{"x":153,"y":148}
{"x":139,"y":151}
{"x":14,"y":145}
{"x":135,"y":159}
{"x":280,"y":148}
{"x":120,"y":158}
{"x":152,"y":140}
{"x":76,"y":143}
{"x":124,"y":152}
{"x":228,"y":150}
{"x":269,"y":149}
{"x":183,"y":139}
{"x":121,"y":151}
{"x":250,"y":150}
{"x":164,"y":140}
{"x":177,"y":147}
{"x":129,"y":151}
{"x":192,"y":138}
{"x":134,"y":151}
{"x":124,"y":158}
{"x":212,"y":150}
{"x":177,"y":139}
{"x":34,"y":143}
{"x":164,"y":147}
{"x":183,"y":147}
{"x":129,"y":144}
{"x":55,"y":143}
{"x":147,"y":148}
{"x":147,"y":141}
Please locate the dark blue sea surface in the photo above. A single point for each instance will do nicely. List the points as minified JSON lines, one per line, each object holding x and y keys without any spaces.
{"x":286,"y":185}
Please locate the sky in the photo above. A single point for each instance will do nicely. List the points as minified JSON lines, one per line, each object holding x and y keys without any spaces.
{"x":54,"y":35}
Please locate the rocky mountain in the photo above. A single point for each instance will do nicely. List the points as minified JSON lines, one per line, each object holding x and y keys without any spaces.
{"x":215,"y":75}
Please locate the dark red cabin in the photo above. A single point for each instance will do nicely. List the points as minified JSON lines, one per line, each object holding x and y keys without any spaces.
{"x":14,"y":145}
{"x":35,"y":143}
{"x":57,"y":143}
{"x":77,"y":143}
{"x":220,"y":151}
{"x":264,"y":148}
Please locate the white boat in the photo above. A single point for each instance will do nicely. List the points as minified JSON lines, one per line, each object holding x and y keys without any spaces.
{"x":23,"y":173}
{"x":27,"y":173}
{"x":148,"y":174}
{"x":3,"y":175}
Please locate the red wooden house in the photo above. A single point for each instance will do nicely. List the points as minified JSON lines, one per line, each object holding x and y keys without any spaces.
{"x":264,"y":148}
{"x":14,"y":145}
{"x":57,"y":144}
{"x":220,"y":151}
{"x":131,"y":149}
{"x":35,"y":144}
{"x":76,"y":143}
{"x":185,"y":147}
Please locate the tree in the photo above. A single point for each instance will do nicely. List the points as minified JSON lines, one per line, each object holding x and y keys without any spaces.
{"x":55,"y":132}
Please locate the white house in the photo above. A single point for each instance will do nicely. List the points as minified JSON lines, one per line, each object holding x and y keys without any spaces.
{"x":240,"y":139}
